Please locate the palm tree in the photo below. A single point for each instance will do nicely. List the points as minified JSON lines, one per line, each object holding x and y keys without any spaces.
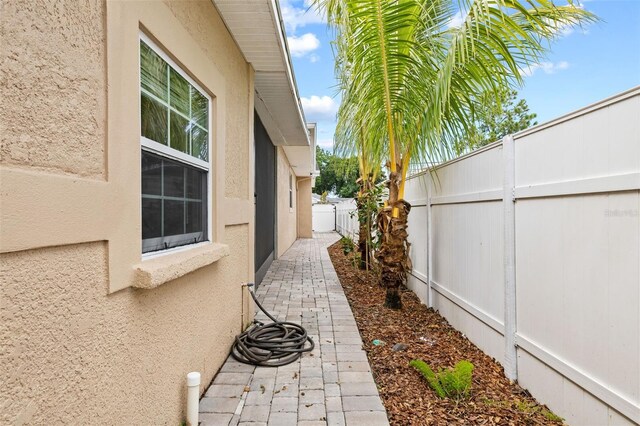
{"x":411,"y":75}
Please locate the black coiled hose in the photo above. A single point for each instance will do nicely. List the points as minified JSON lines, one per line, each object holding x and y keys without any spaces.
{"x":272,"y":345}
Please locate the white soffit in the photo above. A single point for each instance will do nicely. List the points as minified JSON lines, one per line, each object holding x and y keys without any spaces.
{"x":300,"y":160}
{"x":303,"y":158}
{"x":256,"y":26}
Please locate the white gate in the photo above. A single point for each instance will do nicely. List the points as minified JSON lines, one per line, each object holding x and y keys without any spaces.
{"x":323,"y":217}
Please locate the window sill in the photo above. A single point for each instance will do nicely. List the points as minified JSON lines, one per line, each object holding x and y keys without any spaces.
{"x":162,"y":268}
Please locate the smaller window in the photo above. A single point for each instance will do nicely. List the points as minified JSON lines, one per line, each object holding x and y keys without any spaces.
{"x":290,"y":191}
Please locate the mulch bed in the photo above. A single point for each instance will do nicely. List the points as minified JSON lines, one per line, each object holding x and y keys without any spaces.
{"x":406,"y":395}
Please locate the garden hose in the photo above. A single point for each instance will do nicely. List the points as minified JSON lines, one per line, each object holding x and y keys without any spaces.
{"x":271,"y":345}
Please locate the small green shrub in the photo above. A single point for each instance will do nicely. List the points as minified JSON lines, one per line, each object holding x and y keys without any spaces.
{"x":452,"y":383}
{"x":348,"y":245}
{"x":457,"y":382}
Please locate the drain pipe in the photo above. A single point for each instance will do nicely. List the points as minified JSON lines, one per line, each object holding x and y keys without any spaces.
{"x":193,"y":398}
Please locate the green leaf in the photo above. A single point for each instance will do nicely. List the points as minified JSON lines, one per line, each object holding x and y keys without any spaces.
{"x":410,"y":80}
{"x":179,"y":90}
{"x":153,"y":72}
{"x":199,"y":108}
{"x":153,"y":119}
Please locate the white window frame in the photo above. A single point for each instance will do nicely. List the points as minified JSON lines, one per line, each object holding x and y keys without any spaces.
{"x":166,"y":151}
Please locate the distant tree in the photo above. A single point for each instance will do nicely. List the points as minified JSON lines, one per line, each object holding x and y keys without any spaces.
{"x":338,"y":175}
{"x":498,"y":114}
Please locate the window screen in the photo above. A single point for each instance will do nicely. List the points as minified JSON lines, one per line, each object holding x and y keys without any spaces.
{"x":174,"y":202}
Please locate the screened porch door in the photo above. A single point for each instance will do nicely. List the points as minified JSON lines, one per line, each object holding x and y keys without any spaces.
{"x":265,"y":200}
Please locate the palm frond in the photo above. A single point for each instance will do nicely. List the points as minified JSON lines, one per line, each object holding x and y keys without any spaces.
{"x":410,"y":81}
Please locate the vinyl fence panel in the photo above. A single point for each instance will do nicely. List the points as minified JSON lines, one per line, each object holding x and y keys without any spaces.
{"x":415,"y":194}
{"x":347,"y":219}
{"x":578,"y":262}
{"x":531,"y":248}
{"x":466,"y":221}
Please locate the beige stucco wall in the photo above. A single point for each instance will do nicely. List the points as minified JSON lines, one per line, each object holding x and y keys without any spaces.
{"x":75,"y":348}
{"x":287,"y":226}
{"x":53,"y":60}
{"x":304,"y":208}
{"x":229,"y":61}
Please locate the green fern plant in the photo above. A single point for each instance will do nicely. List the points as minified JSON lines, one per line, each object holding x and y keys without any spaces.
{"x":429,"y":375}
{"x":347,"y":245}
{"x":452,"y":383}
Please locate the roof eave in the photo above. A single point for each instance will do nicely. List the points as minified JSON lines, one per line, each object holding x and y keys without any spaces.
{"x":277,"y":99}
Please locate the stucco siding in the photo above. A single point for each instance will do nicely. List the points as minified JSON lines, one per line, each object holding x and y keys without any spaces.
{"x":287,"y":228}
{"x":73,"y":355}
{"x":52,"y":61}
{"x":72,"y":349}
{"x":204,"y":24}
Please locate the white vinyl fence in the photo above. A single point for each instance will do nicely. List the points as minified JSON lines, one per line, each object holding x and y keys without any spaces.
{"x":323,"y":217}
{"x":531,"y":248}
{"x":347,"y":219}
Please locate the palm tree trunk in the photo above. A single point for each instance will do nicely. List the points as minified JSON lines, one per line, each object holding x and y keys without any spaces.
{"x":393,"y":254}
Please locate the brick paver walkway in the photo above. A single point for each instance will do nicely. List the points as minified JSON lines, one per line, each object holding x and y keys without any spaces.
{"x":332,"y":385}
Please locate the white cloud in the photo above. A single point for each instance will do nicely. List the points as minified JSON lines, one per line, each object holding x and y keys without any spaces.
{"x":314,"y":58}
{"x":546,"y":67}
{"x":300,"y":46}
{"x":317,"y":108}
{"x":298,"y":14}
{"x":568,"y":29}
{"x":457,"y":20}
{"x":565,"y":30}
{"x":325,"y":143}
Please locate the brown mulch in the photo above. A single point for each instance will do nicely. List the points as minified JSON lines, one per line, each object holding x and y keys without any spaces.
{"x":406,"y":395}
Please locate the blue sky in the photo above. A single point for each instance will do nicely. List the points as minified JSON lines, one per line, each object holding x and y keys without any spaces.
{"x":583,"y":66}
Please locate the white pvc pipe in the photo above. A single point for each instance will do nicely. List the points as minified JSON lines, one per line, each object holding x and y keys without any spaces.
{"x":193,"y":398}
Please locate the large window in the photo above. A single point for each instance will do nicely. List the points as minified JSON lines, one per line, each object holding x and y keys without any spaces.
{"x":174,"y":124}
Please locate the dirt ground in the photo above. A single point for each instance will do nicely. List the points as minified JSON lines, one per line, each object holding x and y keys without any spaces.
{"x":406,"y":395}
